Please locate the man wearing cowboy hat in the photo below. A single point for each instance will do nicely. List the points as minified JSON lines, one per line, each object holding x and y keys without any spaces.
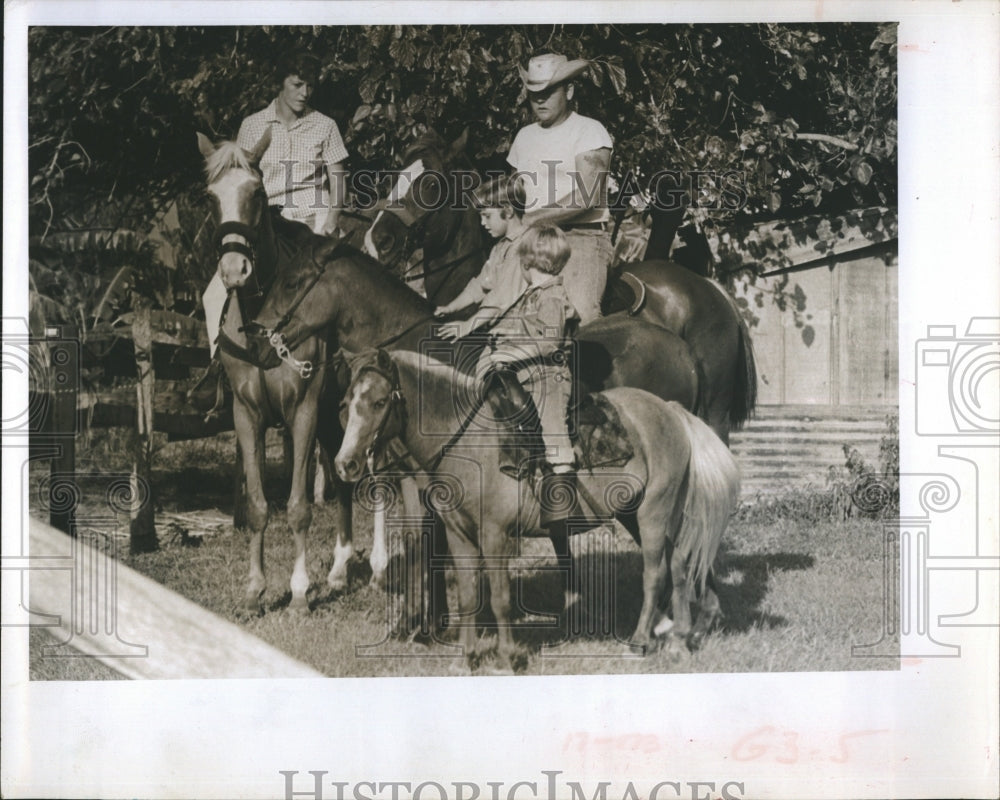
{"x":564,"y":159}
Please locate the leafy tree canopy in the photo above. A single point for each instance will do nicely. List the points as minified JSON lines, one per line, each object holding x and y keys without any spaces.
{"x":805,"y":115}
{"x":806,"y":112}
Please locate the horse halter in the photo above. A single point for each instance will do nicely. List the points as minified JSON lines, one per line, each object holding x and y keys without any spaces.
{"x":246,"y":247}
{"x":396,"y":404}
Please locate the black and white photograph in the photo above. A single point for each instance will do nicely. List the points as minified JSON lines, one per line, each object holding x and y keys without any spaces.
{"x":484,"y":400}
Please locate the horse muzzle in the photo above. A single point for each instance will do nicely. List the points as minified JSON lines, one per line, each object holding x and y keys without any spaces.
{"x":236,"y":242}
{"x":349,"y":469}
{"x":235,"y":269}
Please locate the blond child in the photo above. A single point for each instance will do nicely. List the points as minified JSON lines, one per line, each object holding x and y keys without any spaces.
{"x":533,"y":337}
{"x":501,"y":281}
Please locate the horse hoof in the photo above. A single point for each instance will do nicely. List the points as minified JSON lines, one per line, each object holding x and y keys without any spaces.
{"x":675,"y":647}
{"x":518,"y":661}
{"x":250,"y":609}
{"x":299,"y":606}
{"x":377,"y":580}
{"x":639,"y":647}
{"x":337,"y":583}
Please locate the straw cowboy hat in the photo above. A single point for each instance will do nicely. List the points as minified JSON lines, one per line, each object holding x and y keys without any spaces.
{"x":550,"y":70}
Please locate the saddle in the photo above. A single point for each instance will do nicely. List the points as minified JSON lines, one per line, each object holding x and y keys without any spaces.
{"x":595,"y":429}
{"x":624,"y":292}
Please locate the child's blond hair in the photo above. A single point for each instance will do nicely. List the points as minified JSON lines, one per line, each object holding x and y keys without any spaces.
{"x":505,"y":193}
{"x":544,"y":247}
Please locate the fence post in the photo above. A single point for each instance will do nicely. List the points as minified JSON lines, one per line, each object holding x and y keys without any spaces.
{"x":142,"y":528}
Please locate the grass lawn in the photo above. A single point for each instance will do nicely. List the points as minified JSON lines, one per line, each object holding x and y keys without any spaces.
{"x":797,"y":591}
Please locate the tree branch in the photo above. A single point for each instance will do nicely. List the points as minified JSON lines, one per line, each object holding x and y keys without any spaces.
{"x":822,"y":137}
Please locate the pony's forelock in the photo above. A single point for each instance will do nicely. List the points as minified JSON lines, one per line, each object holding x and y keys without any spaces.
{"x":227,"y":156}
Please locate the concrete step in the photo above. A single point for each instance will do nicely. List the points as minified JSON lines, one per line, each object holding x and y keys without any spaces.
{"x":786,"y":447}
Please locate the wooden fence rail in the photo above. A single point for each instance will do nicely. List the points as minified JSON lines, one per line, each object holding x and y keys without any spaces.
{"x":162,"y":341}
{"x":103,"y":609}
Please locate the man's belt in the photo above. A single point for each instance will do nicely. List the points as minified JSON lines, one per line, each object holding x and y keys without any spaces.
{"x":583,"y":226}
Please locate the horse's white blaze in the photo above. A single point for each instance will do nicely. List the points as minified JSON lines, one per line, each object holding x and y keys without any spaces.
{"x":405,"y":181}
{"x":370,"y":247}
{"x":351,"y":444}
{"x":228,"y":190}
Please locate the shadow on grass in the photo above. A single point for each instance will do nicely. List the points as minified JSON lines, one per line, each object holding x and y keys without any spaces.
{"x":741,"y":600}
{"x":611,"y":597}
{"x":195,"y":488}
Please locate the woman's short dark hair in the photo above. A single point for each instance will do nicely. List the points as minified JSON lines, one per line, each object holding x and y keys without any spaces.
{"x":302,"y":65}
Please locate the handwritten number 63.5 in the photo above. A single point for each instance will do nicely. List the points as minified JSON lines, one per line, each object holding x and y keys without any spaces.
{"x":783,"y":746}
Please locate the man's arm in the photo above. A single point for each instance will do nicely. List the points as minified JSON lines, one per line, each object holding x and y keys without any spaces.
{"x":590,"y":190}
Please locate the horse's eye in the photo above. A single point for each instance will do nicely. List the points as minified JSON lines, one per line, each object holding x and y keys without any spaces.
{"x":293,"y":283}
{"x":384,"y":242}
{"x":380,"y":404}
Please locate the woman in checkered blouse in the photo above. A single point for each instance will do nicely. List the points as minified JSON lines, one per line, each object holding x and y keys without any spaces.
{"x":303,"y":175}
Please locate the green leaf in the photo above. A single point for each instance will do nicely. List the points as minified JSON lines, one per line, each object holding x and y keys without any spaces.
{"x":863,"y":173}
{"x":616,"y":73}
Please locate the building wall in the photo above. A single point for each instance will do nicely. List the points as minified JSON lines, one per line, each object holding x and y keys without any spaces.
{"x":850,"y":359}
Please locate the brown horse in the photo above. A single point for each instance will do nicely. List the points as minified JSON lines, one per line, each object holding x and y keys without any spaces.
{"x":364,"y":306}
{"x":674,"y":495}
{"x":453,"y":245}
{"x":287,"y":394}
{"x":695,"y":308}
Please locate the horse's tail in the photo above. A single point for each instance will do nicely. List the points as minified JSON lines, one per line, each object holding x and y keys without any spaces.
{"x":712,"y":492}
{"x":745,"y":388}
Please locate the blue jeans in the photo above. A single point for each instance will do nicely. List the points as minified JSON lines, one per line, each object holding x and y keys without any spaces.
{"x":586,"y":273}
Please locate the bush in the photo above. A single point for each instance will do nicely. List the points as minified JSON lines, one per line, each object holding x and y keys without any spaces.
{"x":853,"y":490}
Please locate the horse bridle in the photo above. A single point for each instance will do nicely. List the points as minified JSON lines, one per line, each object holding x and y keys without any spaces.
{"x":414,"y":226}
{"x":397,"y":403}
{"x":276,"y":338}
{"x":246,"y":248}
{"x":246,"y":245}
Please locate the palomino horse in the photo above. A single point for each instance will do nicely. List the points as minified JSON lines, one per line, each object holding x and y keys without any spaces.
{"x":674,"y":495}
{"x":698,"y":310}
{"x":286,"y":394}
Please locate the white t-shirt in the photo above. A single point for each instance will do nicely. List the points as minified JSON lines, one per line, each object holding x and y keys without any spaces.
{"x":547,"y":159}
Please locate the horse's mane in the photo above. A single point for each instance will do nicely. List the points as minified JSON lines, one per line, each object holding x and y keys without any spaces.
{"x":429,"y":141}
{"x":227,"y":156}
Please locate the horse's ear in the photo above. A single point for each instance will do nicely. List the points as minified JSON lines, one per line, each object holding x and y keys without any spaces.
{"x":384,"y":360}
{"x":255,"y":155}
{"x":205,"y":145}
{"x":458,"y":146}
